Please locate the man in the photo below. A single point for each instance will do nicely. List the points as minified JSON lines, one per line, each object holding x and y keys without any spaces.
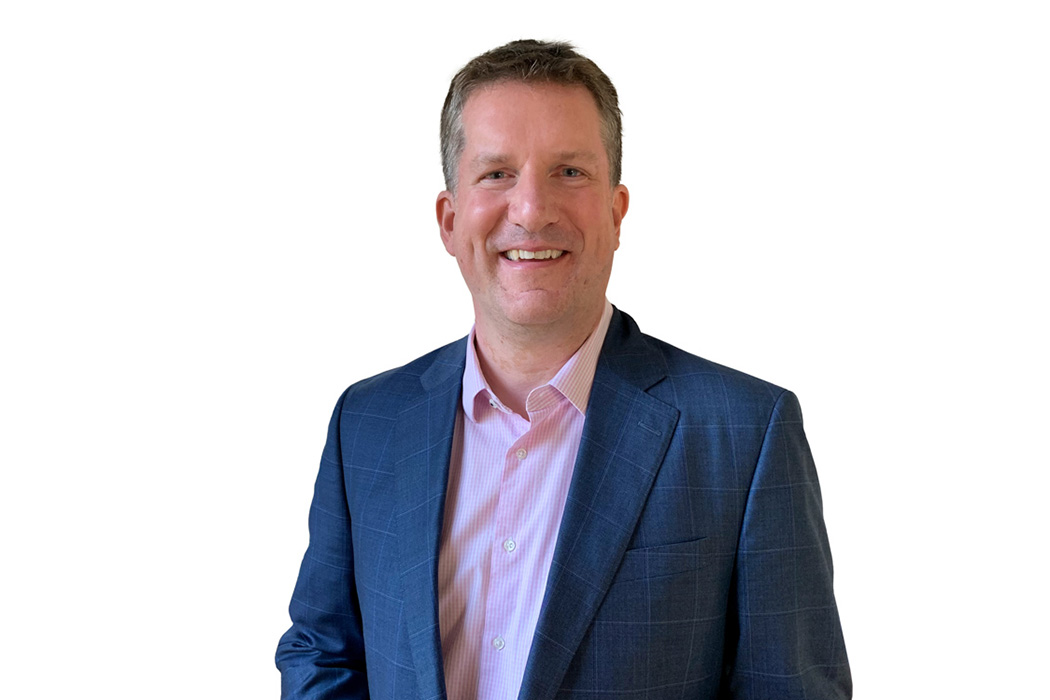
{"x":558,"y":505}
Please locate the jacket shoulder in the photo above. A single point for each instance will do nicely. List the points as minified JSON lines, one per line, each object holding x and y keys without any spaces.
{"x":389,"y":392}
{"x":703,"y":391}
{"x":681,"y":364}
{"x":693,"y":383}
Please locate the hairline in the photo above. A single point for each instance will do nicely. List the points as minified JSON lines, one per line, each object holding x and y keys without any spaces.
{"x":458,"y":131}
{"x":591,"y":157}
{"x":590,"y":77}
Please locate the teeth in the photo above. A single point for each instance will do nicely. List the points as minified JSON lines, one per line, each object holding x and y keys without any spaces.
{"x":533,"y":254}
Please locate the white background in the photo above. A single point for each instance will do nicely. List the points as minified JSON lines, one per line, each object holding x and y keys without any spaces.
{"x":216,"y":215}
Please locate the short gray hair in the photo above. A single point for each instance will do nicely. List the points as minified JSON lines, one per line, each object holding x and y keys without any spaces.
{"x":530,"y":61}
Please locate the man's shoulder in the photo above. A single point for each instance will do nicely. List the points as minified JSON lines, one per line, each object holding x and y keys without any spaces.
{"x":687,"y":378}
{"x":684,"y":365}
{"x":390,"y":391}
{"x":707,"y":392}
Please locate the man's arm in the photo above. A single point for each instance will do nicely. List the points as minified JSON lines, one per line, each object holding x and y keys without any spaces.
{"x":787,"y":638}
{"x":322,"y":655}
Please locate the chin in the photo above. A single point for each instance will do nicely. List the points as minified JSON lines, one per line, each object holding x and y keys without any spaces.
{"x":539,"y":317}
{"x":538,"y":310}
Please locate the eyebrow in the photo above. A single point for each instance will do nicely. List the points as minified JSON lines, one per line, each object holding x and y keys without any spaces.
{"x":587,"y":156}
{"x":487,"y":159}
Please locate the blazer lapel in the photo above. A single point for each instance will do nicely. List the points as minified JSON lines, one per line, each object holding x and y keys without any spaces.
{"x":625,"y":438}
{"x":423,"y":445}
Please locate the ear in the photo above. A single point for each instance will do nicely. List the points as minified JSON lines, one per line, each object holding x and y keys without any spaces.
{"x":446,"y":217}
{"x":621,"y":198}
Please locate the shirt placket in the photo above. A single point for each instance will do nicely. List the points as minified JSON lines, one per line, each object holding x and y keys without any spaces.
{"x":502,"y":654}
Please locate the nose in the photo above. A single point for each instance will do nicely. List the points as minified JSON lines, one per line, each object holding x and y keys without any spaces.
{"x":532,"y":203}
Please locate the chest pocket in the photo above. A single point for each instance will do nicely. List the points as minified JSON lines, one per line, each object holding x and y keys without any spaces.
{"x":662,"y":560}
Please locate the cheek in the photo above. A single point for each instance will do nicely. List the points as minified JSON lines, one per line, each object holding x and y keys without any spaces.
{"x":592,"y":213}
{"x":486,"y":208}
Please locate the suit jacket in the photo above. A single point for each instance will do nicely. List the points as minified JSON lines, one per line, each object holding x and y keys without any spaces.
{"x":692,"y":559}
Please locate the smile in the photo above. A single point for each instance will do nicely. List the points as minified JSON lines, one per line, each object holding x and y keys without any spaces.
{"x":532,"y":254}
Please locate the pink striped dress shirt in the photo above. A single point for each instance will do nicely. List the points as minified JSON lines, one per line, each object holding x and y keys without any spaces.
{"x":507,"y":485}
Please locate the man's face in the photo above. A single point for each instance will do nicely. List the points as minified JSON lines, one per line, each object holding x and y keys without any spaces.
{"x":534,"y":220}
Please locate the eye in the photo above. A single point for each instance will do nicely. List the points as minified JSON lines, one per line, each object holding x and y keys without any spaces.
{"x":495,"y":175}
{"x":572,"y":172}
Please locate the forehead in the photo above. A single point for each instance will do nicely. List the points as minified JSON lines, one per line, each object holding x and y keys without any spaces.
{"x":532,"y":116}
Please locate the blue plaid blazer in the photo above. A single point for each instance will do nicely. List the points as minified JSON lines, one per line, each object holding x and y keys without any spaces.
{"x":692,"y":559}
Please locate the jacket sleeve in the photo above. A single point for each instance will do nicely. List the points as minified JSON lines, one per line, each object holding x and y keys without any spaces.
{"x":321,"y":657}
{"x":785,"y":640}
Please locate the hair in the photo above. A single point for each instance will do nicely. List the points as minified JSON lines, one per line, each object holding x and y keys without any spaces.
{"x":529,"y":61}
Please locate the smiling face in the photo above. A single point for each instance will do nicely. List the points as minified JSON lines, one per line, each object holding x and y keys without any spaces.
{"x":534,"y":219}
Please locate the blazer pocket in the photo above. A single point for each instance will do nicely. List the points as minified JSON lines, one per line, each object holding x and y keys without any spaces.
{"x":661,"y":560}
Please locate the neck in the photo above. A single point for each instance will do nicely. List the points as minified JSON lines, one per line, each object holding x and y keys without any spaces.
{"x":516,"y":362}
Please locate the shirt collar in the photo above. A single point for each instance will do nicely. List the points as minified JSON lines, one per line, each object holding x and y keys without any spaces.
{"x":573,"y":380}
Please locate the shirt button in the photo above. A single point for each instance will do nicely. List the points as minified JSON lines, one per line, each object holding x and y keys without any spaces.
{"x":509,"y":545}
{"x":499,"y":643}
{"x":492,"y":402}
{"x":522,"y":453}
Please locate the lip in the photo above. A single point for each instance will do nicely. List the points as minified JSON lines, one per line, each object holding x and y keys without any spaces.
{"x":532,"y":264}
{"x":503,"y":250}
